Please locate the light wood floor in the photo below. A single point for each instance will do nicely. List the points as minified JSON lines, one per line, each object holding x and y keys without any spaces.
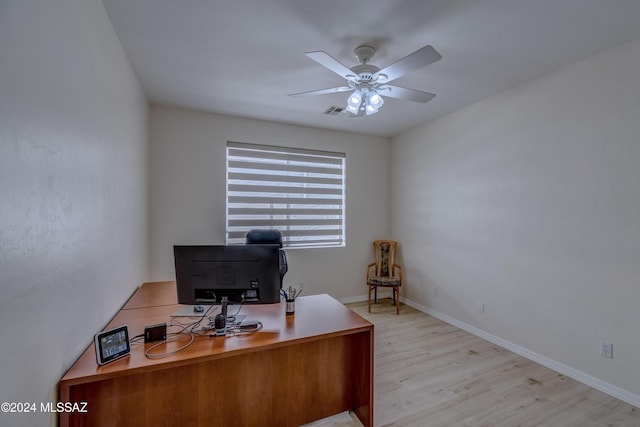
{"x":431,"y":374}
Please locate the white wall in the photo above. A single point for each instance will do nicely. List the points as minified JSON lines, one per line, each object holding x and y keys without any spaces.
{"x":188,"y":193}
{"x":73,"y":204}
{"x":530,"y":202}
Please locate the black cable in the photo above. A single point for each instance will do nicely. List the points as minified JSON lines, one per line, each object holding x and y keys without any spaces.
{"x":136,"y":339}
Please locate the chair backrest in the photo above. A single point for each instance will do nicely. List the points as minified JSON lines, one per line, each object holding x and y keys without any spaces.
{"x":385,"y":251}
{"x":269,"y":237}
{"x":264,"y":237}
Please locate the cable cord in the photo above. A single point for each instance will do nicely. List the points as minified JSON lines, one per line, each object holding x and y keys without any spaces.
{"x":233,"y":316}
{"x":185,"y":329}
{"x":237,"y":330}
{"x":190,"y":329}
{"x":136,"y":339}
{"x":148,"y":351}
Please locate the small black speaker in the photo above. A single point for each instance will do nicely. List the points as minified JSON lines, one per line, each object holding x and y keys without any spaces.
{"x":220,"y":323}
{"x":155,"y":332}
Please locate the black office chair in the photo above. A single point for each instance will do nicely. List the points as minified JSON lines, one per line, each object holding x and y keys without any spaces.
{"x":269,"y":237}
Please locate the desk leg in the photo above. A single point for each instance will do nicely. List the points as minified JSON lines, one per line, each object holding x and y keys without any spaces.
{"x":363,"y":376}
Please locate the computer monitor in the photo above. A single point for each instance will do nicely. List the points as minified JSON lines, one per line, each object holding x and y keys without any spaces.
{"x":205,"y":274}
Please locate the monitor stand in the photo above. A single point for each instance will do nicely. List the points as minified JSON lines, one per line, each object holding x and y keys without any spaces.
{"x":190,"y":311}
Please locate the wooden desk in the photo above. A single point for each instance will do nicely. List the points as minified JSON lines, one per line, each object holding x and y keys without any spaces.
{"x":153,"y":295}
{"x":298,"y":368}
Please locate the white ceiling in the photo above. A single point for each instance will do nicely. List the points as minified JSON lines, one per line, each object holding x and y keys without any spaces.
{"x":242,"y":57}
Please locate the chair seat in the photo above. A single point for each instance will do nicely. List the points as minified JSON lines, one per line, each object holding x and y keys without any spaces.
{"x":383,"y":281}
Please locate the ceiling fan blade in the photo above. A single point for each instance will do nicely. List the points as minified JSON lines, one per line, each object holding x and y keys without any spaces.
{"x":331,"y":63}
{"x":323,"y":91}
{"x":407,"y":94}
{"x":418,"y":59}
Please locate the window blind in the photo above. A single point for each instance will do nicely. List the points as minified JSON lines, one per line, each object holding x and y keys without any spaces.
{"x":297,"y":191}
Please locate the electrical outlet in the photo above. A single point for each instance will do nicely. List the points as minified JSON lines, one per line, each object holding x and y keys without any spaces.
{"x":606,"y":349}
{"x":480,"y":306}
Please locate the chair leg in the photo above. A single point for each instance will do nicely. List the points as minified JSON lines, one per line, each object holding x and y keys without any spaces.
{"x":396,"y":290}
{"x":375,"y":294}
{"x":369,"y":298}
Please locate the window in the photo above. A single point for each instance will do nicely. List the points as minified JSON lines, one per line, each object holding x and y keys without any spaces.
{"x":299,"y":192}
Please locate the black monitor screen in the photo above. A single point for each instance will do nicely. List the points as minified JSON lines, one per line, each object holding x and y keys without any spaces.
{"x":204,"y":274}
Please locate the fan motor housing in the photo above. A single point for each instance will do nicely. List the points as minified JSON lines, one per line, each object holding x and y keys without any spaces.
{"x":365,"y":72}
{"x":364,"y":53}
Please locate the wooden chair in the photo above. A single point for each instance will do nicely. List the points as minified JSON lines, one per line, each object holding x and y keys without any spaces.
{"x":384,"y":272}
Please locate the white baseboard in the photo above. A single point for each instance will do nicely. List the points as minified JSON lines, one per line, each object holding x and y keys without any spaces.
{"x":361,"y":298}
{"x":577,"y":375}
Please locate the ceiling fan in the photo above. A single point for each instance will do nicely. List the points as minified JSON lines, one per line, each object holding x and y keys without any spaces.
{"x":369,"y":82}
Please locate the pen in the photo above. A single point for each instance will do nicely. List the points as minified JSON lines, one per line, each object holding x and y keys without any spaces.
{"x":292,"y":294}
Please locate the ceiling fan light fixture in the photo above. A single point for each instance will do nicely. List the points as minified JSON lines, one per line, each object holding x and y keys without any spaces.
{"x":375,"y":100}
{"x":370,"y":109}
{"x":353,"y":104}
{"x":368,"y":99}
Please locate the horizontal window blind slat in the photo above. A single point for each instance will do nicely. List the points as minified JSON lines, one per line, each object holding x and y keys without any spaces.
{"x":300,"y":244}
{"x":248,"y":188}
{"x":290,"y":242}
{"x":273,"y":223}
{"x":284,"y":200}
{"x":300,"y":158}
{"x":291,"y":233}
{"x":274,"y":148}
{"x":316,"y":242}
{"x":298,"y":179}
{"x":233,"y":212}
{"x":286,"y":233}
{"x":236,"y":166}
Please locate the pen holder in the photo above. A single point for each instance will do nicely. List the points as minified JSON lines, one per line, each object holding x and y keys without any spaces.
{"x":290,"y":306}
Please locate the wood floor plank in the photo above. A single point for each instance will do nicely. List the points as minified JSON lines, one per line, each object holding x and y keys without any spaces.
{"x":431,"y":374}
